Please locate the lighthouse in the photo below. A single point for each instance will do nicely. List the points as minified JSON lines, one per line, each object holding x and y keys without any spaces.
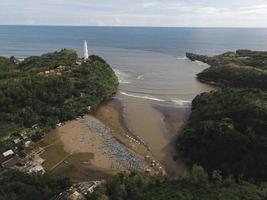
{"x":85,"y":51}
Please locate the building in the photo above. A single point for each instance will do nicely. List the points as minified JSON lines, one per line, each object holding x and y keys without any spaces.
{"x":13,"y":161}
{"x":37,"y":168}
{"x":8,"y":153}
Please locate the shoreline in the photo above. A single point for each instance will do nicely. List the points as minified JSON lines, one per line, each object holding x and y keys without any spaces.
{"x":111,"y":113}
{"x":173,"y":119}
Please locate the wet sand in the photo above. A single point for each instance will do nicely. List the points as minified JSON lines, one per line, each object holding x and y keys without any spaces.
{"x":159,"y":129}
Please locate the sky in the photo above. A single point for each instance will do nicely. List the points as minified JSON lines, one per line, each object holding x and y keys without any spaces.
{"x":157,"y":13}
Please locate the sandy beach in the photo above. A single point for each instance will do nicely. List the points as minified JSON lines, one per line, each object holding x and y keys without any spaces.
{"x":95,"y":146}
{"x":77,"y":139}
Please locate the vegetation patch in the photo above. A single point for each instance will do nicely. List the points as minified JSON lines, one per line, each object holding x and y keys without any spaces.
{"x":227,"y":131}
{"x":16,"y":185}
{"x":198,"y":186}
{"x":51,"y":88}
{"x":240,"y":69}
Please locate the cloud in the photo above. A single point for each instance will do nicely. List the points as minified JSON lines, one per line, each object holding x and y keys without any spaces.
{"x":227,"y":13}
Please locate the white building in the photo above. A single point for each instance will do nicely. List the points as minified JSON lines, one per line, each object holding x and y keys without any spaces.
{"x":37,"y":168}
{"x":8,"y":153}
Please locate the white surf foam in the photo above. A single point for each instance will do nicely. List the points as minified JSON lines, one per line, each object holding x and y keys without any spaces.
{"x":178,"y":102}
{"x":140,"y":77}
{"x":182,"y":102}
{"x":142,"y":97}
{"x":123,"y":77}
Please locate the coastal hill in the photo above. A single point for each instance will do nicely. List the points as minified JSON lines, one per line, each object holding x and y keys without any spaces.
{"x":226,"y":130}
{"x":42,"y":91}
{"x":241,"y":69}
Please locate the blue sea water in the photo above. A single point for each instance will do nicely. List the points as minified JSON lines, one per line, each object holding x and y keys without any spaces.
{"x":23,"y":41}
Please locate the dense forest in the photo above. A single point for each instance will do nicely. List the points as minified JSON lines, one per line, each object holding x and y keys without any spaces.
{"x":49,"y":89}
{"x":240,"y":69}
{"x":135,"y":186}
{"x":16,"y":185}
{"x":227,"y":132}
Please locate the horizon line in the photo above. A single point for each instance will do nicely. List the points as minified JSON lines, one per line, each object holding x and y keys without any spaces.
{"x":127,"y":26}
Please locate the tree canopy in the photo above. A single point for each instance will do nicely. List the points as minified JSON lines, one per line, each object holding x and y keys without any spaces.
{"x":240,"y":69}
{"x":16,"y":185}
{"x":197,"y":186}
{"x":227,"y":131}
{"x":52,"y":88}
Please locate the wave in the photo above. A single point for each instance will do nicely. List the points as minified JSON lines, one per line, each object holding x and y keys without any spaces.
{"x":140,"y":77}
{"x":178,"y":102}
{"x":123,"y":77}
{"x":182,"y":102}
{"x":142,"y":97}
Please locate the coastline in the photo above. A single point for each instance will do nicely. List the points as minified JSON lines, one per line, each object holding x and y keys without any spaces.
{"x":174,"y":118}
{"x":111,"y":113}
{"x":212,"y":83}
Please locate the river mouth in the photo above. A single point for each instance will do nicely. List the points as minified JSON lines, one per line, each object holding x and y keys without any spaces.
{"x":156,"y":91}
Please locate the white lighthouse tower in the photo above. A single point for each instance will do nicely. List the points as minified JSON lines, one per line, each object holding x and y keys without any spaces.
{"x":85,"y":51}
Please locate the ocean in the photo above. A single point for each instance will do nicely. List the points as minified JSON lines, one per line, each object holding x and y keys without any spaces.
{"x":28,"y":40}
{"x":156,"y":80}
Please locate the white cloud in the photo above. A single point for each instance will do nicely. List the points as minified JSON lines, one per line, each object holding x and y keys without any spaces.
{"x":241,"y":13}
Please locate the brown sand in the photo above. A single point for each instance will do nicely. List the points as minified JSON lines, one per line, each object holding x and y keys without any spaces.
{"x":77,"y":152}
{"x":78,"y":139}
{"x":152,"y":127}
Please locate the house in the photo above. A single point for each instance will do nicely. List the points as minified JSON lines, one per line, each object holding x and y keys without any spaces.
{"x":37,"y":168}
{"x":17,"y":141}
{"x":27,"y":143}
{"x":13,"y":161}
{"x":24,"y":135}
{"x":8,"y":153}
{"x":92,"y":188}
